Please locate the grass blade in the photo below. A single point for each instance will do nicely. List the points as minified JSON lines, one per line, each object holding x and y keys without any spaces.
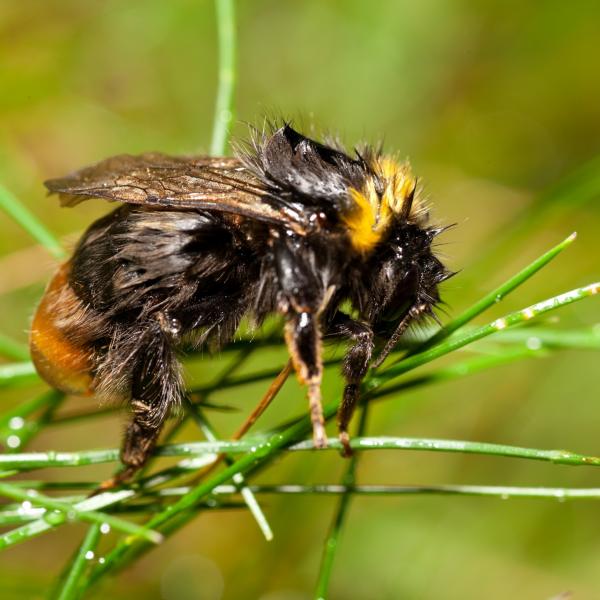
{"x":257,"y":448}
{"x":16,"y":373}
{"x":224,"y":110}
{"x":65,"y":512}
{"x":456,"y":342}
{"x":335,"y":530}
{"x":13,"y":350}
{"x":25,"y":218}
{"x":247,"y":495}
{"x":496,"y":295}
{"x":71,"y":588}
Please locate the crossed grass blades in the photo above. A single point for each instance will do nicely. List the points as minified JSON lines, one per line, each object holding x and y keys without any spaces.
{"x":168,"y":498}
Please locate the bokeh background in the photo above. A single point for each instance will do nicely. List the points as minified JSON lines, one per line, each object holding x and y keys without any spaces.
{"x":494,"y":103}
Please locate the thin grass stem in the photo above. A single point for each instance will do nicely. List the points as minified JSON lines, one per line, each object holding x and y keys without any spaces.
{"x":30,"y":223}
{"x":333,"y":537}
{"x":224,"y":107}
{"x":71,"y":589}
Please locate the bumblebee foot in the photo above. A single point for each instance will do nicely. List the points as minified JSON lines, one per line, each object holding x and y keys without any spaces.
{"x":347,"y":451}
{"x":114,"y":482}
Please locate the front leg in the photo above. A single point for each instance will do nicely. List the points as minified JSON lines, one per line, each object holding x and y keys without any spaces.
{"x":354,"y":369}
{"x":304,"y":293}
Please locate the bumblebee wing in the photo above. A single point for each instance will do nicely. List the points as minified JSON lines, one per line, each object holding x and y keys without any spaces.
{"x":158,"y":180}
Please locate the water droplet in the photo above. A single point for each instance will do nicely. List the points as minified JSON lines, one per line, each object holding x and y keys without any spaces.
{"x":104,"y":528}
{"x":54,"y":518}
{"x":102,"y":560}
{"x":26,"y":505}
{"x":89,"y":555}
{"x":498,"y":298}
{"x":534,"y":343}
{"x":499,"y":324}
{"x":71,"y":515}
{"x":504,"y":497}
{"x":16,"y":423}
{"x":528,"y":313}
{"x":13,"y":441}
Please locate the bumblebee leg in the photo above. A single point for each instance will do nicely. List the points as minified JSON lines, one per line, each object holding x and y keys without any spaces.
{"x":303,"y":338}
{"x":143,"y":356}
{"x":355,"y":366}
{"x":305,"y":290}
{"x":416,"y":311}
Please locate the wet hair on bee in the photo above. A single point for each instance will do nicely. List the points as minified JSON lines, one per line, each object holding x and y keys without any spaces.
{"x":288,"y":226}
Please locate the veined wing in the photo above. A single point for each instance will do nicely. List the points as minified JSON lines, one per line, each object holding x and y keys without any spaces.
{"x":154,"y":179}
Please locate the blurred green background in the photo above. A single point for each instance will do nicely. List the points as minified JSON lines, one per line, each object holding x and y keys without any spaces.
{"x":493,"y":102}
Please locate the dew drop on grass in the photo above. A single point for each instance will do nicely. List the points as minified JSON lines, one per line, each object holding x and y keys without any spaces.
{"x":13,"y":441}
{"x":16,"y":423}
{"x":528,"y":314}
{"x":89,"y":555}
{"x":104,"y":528}
{"x":534,"y":343}
{"x":54,"y":518}
{"x":499,"y":324}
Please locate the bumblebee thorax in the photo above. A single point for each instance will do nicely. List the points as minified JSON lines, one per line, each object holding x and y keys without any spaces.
{"x":386,"y":195}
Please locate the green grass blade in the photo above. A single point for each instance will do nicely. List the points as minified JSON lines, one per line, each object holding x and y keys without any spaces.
{"x":60,"y":512}
{"x":456,"y":342}
{"x":16,"y":431}
{"x":70,"y":590}
{"x":17,"y":373}
{"x":257,"y":448}
{"x":25,"y":218}
{"x":13,"y":350}
{"x":247,"y":495}
{"x":333,"y":537}
{"x":498,"y":491}
{"x":25,"y":409}
{"x":460,"y":369}
{"x":224,"y":107}
{"x":552,"y":338}
{"x":496,"y":295}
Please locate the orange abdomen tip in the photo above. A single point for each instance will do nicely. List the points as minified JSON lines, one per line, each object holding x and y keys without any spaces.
{"x":59,"y":360}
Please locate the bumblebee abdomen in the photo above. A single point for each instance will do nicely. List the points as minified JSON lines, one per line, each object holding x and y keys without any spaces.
{"x":60,"y":359}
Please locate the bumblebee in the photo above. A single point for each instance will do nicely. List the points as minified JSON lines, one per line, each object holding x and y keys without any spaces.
{"x":289,"y":226}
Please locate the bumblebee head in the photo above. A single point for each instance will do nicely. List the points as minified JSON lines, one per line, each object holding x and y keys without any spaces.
{"x":368,"y":192}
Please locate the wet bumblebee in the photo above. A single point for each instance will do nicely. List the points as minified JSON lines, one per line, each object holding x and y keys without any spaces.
{"x":288,"y":226}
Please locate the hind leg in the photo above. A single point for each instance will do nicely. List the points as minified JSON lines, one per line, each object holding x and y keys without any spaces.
{"x":144,"y":356}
